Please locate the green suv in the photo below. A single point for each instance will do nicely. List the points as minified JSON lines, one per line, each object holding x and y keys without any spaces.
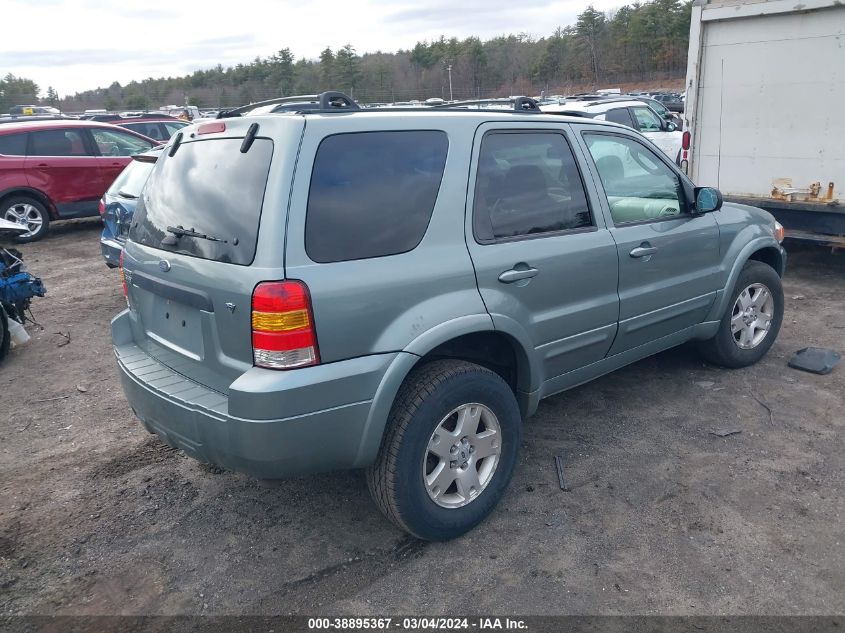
{"x":396,"y":290}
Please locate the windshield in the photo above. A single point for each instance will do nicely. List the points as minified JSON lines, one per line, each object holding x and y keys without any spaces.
{"x":206,"y":200}
{"x":131,"y":180}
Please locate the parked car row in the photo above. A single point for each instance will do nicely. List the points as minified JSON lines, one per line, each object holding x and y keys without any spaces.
{"x":636,"y":113}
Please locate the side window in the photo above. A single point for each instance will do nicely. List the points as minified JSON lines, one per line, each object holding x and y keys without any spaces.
{"x":620,"y":115}
{"x":117,"y":143}
{"x":61,"y":142}
{"x":13,"y":144}
{"x":372,"y":193}
{"x":527,"y":183}
{"x":150,"y":130}
{"x":638,"y":185}
{"x":647,"y":120}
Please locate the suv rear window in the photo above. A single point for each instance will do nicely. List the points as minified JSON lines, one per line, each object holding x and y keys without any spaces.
{"x":211,"y":188}
{"x":13,"y":144}
{"x":372,"y":193}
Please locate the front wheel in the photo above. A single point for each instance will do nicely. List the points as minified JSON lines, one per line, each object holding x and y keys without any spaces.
{"x":752,"y":320}
{"x":449,"y":450}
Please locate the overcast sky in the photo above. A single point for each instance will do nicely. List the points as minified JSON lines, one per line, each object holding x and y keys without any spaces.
{"x":76,"y":45}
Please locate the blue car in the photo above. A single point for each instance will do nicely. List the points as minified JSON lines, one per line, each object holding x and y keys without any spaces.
{"x":118,"y":204}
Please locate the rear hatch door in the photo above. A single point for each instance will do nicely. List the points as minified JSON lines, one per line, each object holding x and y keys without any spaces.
{"x":195,"y":251}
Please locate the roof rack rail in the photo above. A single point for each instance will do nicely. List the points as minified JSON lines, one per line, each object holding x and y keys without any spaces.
{"x":328,"y":101}
{"x":520,"y":104}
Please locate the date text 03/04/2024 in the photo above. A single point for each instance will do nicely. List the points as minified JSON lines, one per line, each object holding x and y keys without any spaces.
{"x":415,"y":624}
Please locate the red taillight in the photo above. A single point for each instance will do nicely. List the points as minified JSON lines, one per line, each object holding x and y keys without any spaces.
{"x":283,"y":335}
{"x":211,"y":128}
{"x":102,"y":207}
{"x":122,"y":277}
{"x":685,"y":139}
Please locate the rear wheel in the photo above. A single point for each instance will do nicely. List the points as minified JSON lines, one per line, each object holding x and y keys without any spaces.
{"x":449,"y":450}
{"x":752,"y":320}
{"x":27,"y":212}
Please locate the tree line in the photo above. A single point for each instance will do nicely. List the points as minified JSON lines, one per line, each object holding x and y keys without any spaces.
{"x":634,"y":43}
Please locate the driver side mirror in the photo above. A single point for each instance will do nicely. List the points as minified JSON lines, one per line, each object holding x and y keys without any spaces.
{"x":707,"y":199}
{"x":670,"y":126}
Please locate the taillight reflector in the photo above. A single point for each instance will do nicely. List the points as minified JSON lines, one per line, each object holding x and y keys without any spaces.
{"x":283,"y":335}
{"x":122,"y":277}
{"x":102,"y":207}
{"x":685,"y":139}
{"x":211,"y":128}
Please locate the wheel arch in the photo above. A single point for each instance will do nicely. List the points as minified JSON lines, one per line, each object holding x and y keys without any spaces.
{"x":32,"y":193}
{"x":762,"y":249}
{"x":478,"y":343}
{"x":771,"y":256}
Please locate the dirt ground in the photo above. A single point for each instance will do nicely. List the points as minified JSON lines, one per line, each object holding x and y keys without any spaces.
{"x":663,"y":517}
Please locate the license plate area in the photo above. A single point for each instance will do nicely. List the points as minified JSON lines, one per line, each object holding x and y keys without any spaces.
{"x":174,"y":325}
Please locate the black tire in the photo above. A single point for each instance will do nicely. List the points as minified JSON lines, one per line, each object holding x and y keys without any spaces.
{"x":723,"y":348}
{"x":5,"y":338}
{"x":396,"y":480}
{"x":17,"y":201}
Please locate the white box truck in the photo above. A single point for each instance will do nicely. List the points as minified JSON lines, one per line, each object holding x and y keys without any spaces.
{"x":765,"y":108}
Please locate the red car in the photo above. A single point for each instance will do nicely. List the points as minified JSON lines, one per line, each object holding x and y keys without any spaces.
{"x":56,"y":170}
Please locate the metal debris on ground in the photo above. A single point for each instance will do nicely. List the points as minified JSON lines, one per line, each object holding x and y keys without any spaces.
{"x":725,"y":432}
{"x":816,"y":360}
{"x":560,"y":478}
{"x":765,"y":406}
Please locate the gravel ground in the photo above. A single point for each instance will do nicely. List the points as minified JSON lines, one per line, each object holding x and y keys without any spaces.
{"x":663,"y":517}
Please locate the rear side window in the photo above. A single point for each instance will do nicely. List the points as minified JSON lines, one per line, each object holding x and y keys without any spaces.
{"x":527,"y":184}
{"x":62,"y":142}
{"x":209,"y":188}
{"x":372,"y":193}
{"x":620,"y":115}
{"x":13,"y":144}
{"x":150,"y":130}
{"x":132,"y":179}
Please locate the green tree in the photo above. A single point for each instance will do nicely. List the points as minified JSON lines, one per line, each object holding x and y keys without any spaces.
{"x":327,"y":68}
{"x":17,"y":91}
{"x":347,"y":71}
{"x":282,"y":73}
{"x":135,"y":102}
{"x":590,"y":29}
{"x":52,"y":96}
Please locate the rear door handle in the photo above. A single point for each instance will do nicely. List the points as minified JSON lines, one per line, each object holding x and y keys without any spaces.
{"x":518,"y":274}
{"x":644,"y":250}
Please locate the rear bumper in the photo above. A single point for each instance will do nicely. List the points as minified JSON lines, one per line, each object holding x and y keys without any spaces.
{"x":198,"y":420}
{"x":111,"y":249}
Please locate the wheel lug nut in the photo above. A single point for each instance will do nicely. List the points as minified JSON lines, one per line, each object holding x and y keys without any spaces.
{"x":453,"y":464}
{"x":453,"y":450}
{"x":471,"y":450}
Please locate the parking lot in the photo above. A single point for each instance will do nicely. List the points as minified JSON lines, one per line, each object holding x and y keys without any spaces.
{"x":661,"y":516}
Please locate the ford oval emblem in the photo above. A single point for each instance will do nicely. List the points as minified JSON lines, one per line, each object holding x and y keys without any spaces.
{"x":164,"y":265}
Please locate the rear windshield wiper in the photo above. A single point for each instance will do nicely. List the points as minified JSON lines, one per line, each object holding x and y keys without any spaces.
{"x":128,"y":196}
{"x":179,"y":231}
